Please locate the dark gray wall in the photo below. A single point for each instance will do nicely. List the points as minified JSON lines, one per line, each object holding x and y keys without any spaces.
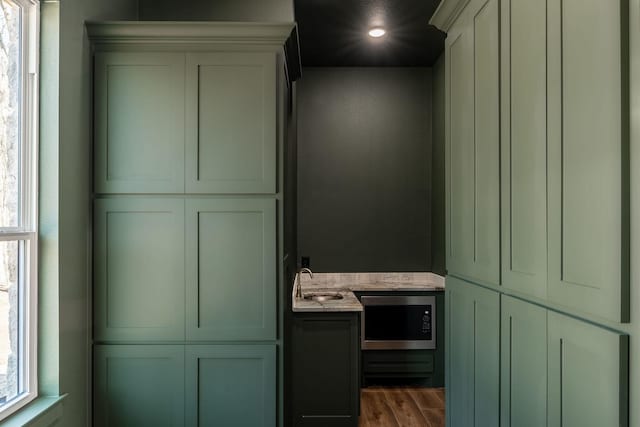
{"x":438,"y":246}
{"x":216,"y":10}
{"x":364,"y":168}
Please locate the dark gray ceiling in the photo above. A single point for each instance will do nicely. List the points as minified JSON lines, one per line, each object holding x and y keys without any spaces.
{"x":334,"y":32}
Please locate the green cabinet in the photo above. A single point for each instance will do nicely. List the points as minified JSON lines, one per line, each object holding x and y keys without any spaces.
{"x":473,"y":141}
{"x":538,"y":122}
{"x":560,"y":371}
{"x":231,"y":122}
{"x":325,"y":369}
{"x":588,"y":374}
{"x":473,"y":355}
{"x":216,"y":136}
{"x":524,"y":146}
{"x":139,"y":122}
{"x":588,"y":139}
{"x":139,"y":269}
{"x":523,"y":348}
{"x":231,"y":269}
{"x":189,"y":140}
{"x":564,"y":148}
{"x":230,"y":385}
{"x":138,"y":386}
{"x":565,"y":144}
{"x":178,"y":385}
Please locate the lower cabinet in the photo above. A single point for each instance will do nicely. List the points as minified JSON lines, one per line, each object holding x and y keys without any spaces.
{"x":138,"y":386}
{"x":524,"y":364}
{"x":148,"y":385}
{"x":517,"y":364}
{"x":325,"y":371}
{"x":560,"y":371}
{"x":472,"y":355}
{"x":415,"y":366}
{"x":588,"y":374}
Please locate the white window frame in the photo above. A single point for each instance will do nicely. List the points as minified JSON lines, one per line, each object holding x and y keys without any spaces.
{"x":28,"y":217}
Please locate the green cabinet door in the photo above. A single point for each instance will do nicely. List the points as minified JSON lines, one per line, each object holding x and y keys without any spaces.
{"x":325,"y":369}
{"x":231,"y":269}
{"x":139,"y":269}
{"x":138,"y":386}
{"x":231,"y":122}
{"x":231,"y":385}
{"x":523,"y":364}
{"x":589,"y":156}
{"x":524,"y":146}
{"x":473,"y":355}
{"x":139,"y":122}
{"x":588,"y":374}
{"x":473,"y":141}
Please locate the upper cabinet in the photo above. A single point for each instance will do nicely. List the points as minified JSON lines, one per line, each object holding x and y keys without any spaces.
{"x":231,"y":122}
{"x":139,"y":122}
{"x":538,"y":123}
{"x":473,"y":144}
{"x":183,"y":108}
{"x":588,"y":140}
{"x":524,"y":146}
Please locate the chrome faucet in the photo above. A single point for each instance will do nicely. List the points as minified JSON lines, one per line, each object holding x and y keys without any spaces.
{"x":298,"y":285}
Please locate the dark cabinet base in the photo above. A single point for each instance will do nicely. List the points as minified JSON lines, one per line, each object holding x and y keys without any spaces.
{"x":325,"y":369}
{"x":400,"y":367}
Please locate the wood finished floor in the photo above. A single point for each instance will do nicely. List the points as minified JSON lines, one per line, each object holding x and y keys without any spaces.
{"x":401,"y":407}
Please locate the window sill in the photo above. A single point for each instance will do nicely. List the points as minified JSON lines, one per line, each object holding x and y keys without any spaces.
{"x":42,"y":412}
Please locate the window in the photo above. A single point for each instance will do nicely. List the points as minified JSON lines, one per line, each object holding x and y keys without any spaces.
{"x":18,"y":219}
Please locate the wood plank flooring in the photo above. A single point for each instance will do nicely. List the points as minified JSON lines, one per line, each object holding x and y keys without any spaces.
{"x":401,"y":407}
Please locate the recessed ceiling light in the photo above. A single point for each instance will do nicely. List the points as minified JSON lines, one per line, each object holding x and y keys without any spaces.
{"x":377,"y":32}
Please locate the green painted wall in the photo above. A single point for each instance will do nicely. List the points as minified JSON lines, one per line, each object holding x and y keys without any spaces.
{"x":65,"y":211}
{"x":438,"y":244}
{"x":364,"y":168}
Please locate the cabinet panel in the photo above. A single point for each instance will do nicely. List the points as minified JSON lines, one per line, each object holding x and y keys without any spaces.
{"x":486,"y":55}
{"x":472,"y":83}
{"x":460,"y":155}
{"x":139,"y":122}
{"x":139,"y":253}
{"x":325,"y":369}
{"x":231,"y":122}
{"x":523,"y":364}
{"x":588,"y":157}
{"x":524,"y":147}
{"x":588,"y":374}
{"x":473,"y":354}
{"x":231,"y":385}
{"x":231,"y":271}
{"x":139,"y":386}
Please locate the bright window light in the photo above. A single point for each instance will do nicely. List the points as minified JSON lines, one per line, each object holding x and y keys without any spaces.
{"x":18,"y":219}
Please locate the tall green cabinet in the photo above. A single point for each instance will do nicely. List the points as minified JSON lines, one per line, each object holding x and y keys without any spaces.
{"x":190,"y":136}
{"x":537,"y":121}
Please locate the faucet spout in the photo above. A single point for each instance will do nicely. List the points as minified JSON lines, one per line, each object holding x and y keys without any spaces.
{"x":298,"y":284}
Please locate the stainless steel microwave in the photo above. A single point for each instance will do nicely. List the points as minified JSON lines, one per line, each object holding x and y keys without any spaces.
{"x":398,"y":322}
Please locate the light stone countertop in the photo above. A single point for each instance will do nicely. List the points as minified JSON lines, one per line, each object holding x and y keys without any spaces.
{"x":347,"y":283}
